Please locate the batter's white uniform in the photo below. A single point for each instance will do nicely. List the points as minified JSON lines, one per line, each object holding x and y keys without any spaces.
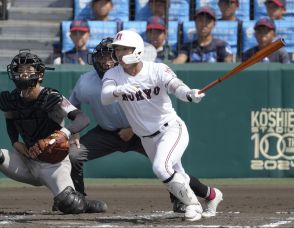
{"x":55,"y":176}
{"x":150,"y":112}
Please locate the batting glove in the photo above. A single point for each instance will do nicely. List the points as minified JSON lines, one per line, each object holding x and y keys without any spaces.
{"x":127,"y":89}
{"x":194,"y":96}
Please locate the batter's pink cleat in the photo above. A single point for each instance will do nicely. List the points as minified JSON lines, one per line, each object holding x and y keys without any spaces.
{"x":211,"y":205}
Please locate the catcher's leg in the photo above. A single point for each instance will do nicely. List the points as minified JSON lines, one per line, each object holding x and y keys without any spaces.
{"x":15,"y":166}
{"x":70,"y":201}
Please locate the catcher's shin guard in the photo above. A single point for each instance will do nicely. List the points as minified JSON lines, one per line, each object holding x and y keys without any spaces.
{"x":70,"y":202}
{"x":2,"y":158}
{"x":95,"y":206}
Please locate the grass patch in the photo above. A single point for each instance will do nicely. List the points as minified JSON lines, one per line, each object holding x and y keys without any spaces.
{"x":8,"y":183}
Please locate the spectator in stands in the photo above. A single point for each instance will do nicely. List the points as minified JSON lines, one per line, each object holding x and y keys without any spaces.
{"x":228,"y":10}
{"x":80,"y":34}
{"x":205,"y":48}
{"x":101,"y":9}
{"x":158,"y":7}
{"x":265,"y":33}
{"x":156,"y":35}
{"x":275,"y":8}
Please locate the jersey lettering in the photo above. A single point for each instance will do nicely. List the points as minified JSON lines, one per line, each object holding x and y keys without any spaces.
{"x":139,"y":96}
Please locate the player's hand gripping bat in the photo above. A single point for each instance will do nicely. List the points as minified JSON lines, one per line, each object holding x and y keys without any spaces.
{"x":249,"y":62}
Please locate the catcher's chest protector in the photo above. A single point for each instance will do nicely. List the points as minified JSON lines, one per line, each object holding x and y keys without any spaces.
{"x":32,"y":120}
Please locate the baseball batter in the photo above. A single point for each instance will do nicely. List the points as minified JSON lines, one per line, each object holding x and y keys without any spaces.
{"x":34,"y":112}
{"x":142,"y":89}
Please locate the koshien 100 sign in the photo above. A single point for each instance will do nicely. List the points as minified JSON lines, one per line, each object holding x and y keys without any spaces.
{"x":272,"y":132}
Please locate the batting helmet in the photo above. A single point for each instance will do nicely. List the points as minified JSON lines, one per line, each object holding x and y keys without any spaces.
{"x":102,"y":56}
{"x":129,"y":38}
{"x":25,"y":58}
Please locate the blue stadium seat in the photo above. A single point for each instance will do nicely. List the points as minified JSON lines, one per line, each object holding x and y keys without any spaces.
{"x":284,"y":29}
{"x":179,"y":10}
{"x":120,"y":11}
{"x":225,"y":30}
{"x":243,"y":12}
{"x":140,"y":27}
{"x":260,"y":10}
{"x":98,"y":30}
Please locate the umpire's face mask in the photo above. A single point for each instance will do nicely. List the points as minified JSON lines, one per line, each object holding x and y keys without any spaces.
{"x":103,"y":62}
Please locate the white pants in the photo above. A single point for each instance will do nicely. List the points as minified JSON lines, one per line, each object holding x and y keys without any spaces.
{"x":20,"y":168}
{"x":166,"y":149}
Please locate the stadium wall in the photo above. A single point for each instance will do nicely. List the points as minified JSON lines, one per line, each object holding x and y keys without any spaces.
{"x":244,"y":127}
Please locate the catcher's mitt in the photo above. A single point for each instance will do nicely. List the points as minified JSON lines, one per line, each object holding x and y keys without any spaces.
{"x":52,"y":149}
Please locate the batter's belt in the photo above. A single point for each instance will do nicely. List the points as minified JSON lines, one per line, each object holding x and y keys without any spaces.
{"x":155,"y":133}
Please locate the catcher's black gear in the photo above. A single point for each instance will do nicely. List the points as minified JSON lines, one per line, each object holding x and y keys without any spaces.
{"x":31,"y":118}
{"x":26,"y":58}
{"x":103,"y":49}
{"x":70,"y":201}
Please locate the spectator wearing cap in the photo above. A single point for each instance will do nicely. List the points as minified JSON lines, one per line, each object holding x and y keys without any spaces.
{"x":156,"y":35}
{"x":80,"y":34}
{"x":205,"y":48}
{"x":275,"y":8}
{"x":101,"y":9}
{"x":228,"y":10}
{"x":265,"y":33}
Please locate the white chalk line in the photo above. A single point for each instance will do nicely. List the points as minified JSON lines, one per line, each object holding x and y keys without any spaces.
{"x":122,"y":221}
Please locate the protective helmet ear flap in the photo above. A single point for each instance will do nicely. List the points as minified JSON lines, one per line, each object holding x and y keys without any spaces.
{"x":129,"y":38}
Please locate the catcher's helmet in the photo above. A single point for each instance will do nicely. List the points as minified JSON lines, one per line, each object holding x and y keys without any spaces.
{"x":26,"y":58}
{"x":102,"y":56}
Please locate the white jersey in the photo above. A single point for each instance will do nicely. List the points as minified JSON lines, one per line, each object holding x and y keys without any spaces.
{"x":149,"y":110}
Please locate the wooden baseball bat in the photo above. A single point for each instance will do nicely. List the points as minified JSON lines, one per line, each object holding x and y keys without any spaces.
{"x":249,"y":62}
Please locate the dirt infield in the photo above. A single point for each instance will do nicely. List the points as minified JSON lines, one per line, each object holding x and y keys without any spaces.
{"x":248,"y":203}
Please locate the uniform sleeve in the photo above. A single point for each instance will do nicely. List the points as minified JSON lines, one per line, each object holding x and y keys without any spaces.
{"x":79,"y":121}
{"x":66,"y":106}
{"x":108,"y":87}
{"x":166,"y":74}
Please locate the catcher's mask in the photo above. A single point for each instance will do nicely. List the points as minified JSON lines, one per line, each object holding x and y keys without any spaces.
{"x":101,"y":57}
{"x":26,"y":69}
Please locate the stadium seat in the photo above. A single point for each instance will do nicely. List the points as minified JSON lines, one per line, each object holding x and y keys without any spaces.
{"x":98,"y":30}
{"x":225,"y":30}
{"x":178,"y":11}
{"x":120,"y":11}
{"x":260,"y":10}
{"x":243,"y":12}
{"x":140,"y":27}
{"x":284,"y":29}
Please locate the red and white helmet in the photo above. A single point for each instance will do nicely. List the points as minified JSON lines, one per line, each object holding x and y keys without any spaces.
{"x":129,"y":38}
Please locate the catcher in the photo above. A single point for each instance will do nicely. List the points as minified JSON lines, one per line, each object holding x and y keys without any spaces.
{"x":36,"y":114}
